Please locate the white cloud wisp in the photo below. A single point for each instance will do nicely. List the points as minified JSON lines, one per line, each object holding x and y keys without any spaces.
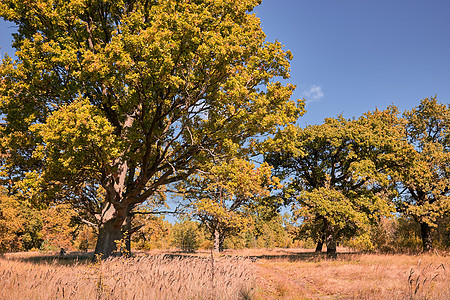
{"x":313,"y":93}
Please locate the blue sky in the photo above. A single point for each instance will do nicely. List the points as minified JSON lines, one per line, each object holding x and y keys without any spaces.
{"x":351,"y":56}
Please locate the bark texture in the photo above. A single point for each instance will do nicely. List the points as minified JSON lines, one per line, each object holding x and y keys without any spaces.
{"x":425,"y":232}
{"x":109,"y":231}
{"x":330,"y":239}
{"x":319,"y":246}
{"x":218,"y":241}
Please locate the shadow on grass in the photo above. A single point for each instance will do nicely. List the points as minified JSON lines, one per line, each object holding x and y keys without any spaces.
{"x":87,"y":257}
{"x":53,"y":258}
{"x":307,"y":256}
{"x":78,"y":257}
{"x":288,"y":256}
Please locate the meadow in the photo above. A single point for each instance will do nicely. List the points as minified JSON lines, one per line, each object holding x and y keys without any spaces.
{"x":235,"y":274}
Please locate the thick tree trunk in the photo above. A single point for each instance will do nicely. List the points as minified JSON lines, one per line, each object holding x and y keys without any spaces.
{"x":425,"y":231}
{"x":331,"y":245}
{"x":108,"y":234}
{"x":110,"y":231}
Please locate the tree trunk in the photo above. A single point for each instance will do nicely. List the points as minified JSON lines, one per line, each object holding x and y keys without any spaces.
{"x":216,"y":240}
{"x":108,"y":234}
{"x":425,"y":231}
{"x":331,"y":245}
{"x":320,"y":243}
{"x":221,"y":238}
{"x":319,"y":246}
{"x":127,"y":231}
{"x":330,"y":238}
{"x":109,"y":231}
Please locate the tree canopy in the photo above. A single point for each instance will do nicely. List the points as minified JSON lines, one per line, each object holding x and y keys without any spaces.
{"x":424,"y":182}
{"x":126,"y":97}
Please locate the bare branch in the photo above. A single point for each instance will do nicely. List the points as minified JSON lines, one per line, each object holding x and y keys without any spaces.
{"x":88,"y":223}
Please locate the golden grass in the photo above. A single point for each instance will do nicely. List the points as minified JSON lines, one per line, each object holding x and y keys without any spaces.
{"x":141,"y":277}
{"x":353,"y":276}
{"x":273,"y":274}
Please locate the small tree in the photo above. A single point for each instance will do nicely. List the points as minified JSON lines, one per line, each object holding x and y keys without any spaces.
{"x":20,"y":225}
{"x":223,"y":197}
{"x":185,"y":235}
{"x":85,"y":237}
{"x":270,"y":232}
{"x":154,"y":232}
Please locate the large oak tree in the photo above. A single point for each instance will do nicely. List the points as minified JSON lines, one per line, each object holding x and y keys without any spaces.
{"x":123,"y":97}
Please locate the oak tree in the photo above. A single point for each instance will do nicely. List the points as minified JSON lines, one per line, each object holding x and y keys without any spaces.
{"x":424,"y":182}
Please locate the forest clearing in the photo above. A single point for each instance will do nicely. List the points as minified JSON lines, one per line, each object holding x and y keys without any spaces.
{"x":238,"y":274}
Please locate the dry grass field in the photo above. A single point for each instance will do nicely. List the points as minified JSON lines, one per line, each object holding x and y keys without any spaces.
{"x":236,"y":274}
{"x":142,"y":277}
{"x":352,"y":276}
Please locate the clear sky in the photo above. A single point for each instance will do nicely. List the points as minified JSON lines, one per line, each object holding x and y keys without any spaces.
{"x":351,"y":56}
